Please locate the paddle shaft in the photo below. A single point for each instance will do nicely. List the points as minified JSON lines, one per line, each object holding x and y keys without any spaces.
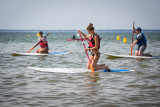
{"x":132,"y":37}
{"x":37,"y":43}
{"x":85,"y":47}
{"x":133,"y":33}
{"x":131,"y":51}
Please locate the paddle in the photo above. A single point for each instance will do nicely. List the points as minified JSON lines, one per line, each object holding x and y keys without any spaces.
{"x":37,"y":43}
{"x":132,"y":37}
{"x":87,"y":54}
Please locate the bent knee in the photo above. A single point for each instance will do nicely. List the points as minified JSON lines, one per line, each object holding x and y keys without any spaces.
{"x":137,"y":54}
{"x":41,"y":51}
{"x":140,"y":53}
{"x":88,"y":67}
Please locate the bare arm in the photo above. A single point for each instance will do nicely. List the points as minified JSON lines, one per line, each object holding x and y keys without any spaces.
{"x":84,"y":35}
{"x":44,"y":41}
{"x":135,"y":42}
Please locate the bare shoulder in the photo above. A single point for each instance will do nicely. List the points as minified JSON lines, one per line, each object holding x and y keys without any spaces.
{"x":88,"y":36}
{"x":96,"y":37}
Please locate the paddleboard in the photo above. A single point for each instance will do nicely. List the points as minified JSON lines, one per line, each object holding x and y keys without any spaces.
{"x":74,"y":70}
{"x":130,"y":56}
{"x":75,"y":39}
{"x":38,"y":54}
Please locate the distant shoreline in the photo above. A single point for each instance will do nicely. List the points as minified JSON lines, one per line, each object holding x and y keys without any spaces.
{"x":6,"y":30}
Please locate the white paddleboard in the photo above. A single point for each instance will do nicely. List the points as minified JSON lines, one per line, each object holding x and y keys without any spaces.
{"x":38,"y":54}
{"x":61,"y":70}
{"x":74,"y":70}
{"x":130,"y":56}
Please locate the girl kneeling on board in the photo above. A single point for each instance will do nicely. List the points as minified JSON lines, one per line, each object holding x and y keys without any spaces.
{"x":43,"y":44}
{"x":94,"y":45}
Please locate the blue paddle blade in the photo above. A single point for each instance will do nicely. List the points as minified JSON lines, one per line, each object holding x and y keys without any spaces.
{"x":55,"y":53}
{"x":116,"y":70}
{"x":156,"y":57}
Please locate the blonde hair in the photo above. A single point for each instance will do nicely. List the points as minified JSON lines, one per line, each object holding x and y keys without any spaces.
{"x":90,"y":27}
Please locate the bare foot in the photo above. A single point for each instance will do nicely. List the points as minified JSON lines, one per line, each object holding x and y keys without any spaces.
{"x":148,"y":54}
{"x":107,"y":68}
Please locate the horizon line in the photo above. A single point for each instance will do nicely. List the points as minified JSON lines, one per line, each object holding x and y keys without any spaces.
{"x":74,"y":30}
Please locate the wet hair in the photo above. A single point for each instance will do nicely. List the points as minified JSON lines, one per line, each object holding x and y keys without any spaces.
{"x":90,"y":27}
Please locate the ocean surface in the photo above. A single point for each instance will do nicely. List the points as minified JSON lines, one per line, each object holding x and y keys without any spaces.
{"x":23,"y":87}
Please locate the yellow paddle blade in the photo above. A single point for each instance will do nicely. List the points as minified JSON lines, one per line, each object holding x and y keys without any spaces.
{"x":91,"y":68}
{"x":38,"y":34}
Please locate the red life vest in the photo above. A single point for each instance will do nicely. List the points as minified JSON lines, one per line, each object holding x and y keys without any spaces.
{"x":92,"y":42}
{"x":42,"y":44}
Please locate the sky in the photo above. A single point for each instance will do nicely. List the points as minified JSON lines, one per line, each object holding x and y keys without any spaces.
{"x":77,"y":14}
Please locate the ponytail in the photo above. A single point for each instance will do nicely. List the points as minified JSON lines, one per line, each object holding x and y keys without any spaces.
{"x":90,"y":27}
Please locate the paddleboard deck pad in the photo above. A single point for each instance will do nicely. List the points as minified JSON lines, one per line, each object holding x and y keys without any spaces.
{"x":38,"y":54}
{"x":130,"y":56}
{"x":74,"y":70}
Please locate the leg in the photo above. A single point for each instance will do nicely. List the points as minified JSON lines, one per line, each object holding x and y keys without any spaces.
{"x":38,"y":50}
{"x":103,"y":66}
{"x":137,"y":51}
{"x":95,"y":61}
{"x":43,"y":50}
{"x":88,"y":64}
{"x":140,"y":53}
{"x":144,"y":54}
{"x":98,"y":67}
{"x":142,"y":49}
